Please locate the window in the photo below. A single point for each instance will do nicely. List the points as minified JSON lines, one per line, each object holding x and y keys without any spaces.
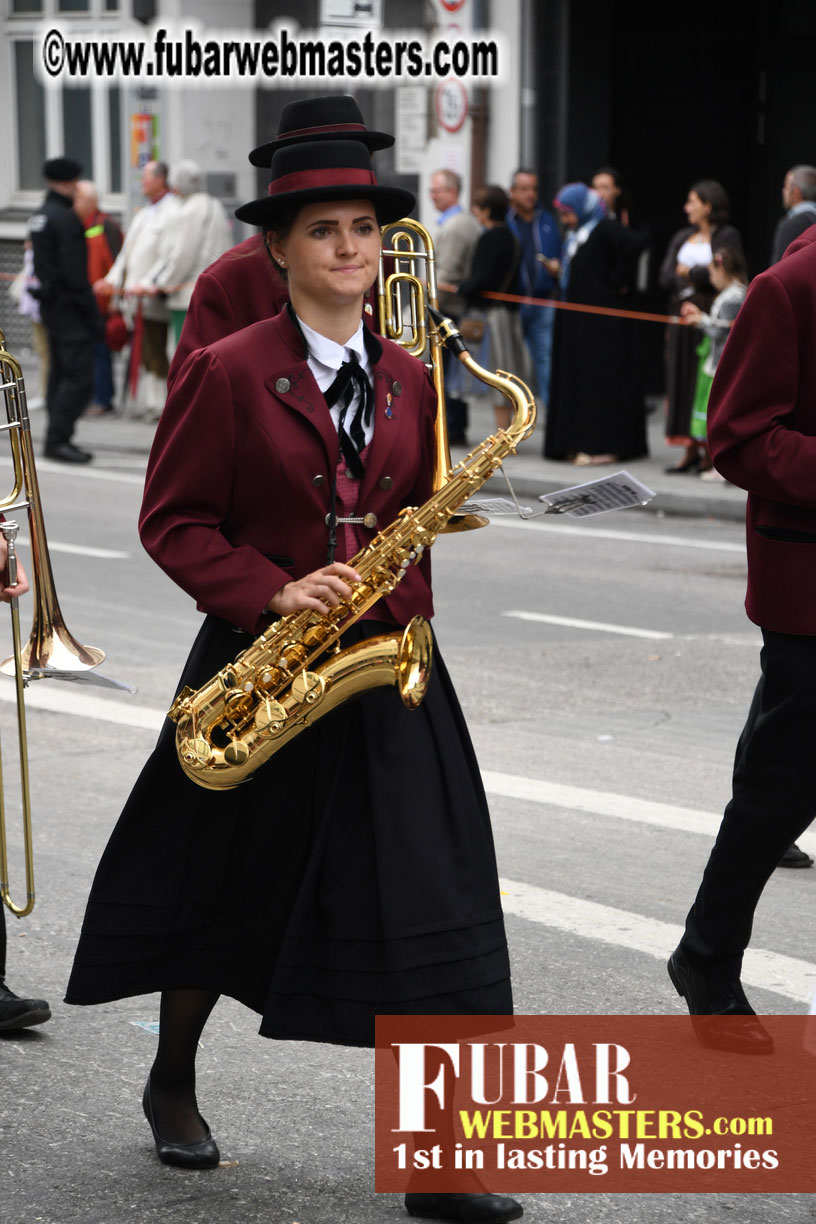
{"x":30,"y":101}
{"x":81,"y":121}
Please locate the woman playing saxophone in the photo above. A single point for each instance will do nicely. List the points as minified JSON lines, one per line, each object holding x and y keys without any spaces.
{"x":357,"y":874}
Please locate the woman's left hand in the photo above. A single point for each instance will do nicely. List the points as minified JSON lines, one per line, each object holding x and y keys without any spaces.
{"x":319,"y":591}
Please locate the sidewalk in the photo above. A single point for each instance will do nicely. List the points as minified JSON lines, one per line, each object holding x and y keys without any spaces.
{"x":532,"y":474}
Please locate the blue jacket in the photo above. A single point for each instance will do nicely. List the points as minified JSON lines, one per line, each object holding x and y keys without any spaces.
{"x":546,"y":241}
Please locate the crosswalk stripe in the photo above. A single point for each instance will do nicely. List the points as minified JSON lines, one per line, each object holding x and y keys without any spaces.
{"x":785,"y":975}
{"x":606,"y":803}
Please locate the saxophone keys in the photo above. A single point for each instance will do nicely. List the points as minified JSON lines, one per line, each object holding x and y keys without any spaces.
{"x":270,"y":716}
{"x":236,"y":753}
{"x":308,"y":687}
{"x":195,"y":752}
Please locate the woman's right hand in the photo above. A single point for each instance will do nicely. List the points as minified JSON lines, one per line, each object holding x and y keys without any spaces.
{"x":319,"y":591}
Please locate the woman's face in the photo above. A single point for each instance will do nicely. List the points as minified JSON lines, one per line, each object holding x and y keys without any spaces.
{"x":568,"y":218}
{"x":696,"y":211}
{"x":481,"y":213}
{"x":332,"y":251}
{"x":605,"y":186}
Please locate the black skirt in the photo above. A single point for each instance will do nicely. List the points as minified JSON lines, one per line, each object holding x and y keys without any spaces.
{"x":353,"y":875}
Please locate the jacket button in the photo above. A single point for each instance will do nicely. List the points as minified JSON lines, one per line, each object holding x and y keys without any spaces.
{"x":396,"y":389}
{"x":385,"y":482}
{"x":317,"y":481}
{"x":282,"y":386}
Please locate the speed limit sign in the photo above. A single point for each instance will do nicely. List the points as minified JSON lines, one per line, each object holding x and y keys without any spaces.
{"x":451,"y":105}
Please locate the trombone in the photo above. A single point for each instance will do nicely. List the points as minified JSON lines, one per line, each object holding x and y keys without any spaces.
{"x":51,"y":649}
{"x":409,"y":245}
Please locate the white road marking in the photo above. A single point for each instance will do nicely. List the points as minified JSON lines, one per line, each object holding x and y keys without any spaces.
{"x":606,"y":803}
{"x":572,"y":622}
{"x":784,"y":975}
{"x":84,"y":472}
{"x":609,"y":533}
{"x":64,"y":697}
{"x":80,"y":550}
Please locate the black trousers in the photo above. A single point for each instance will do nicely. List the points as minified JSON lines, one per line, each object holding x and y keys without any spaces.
{"x":70,"y":383}
{"x":773,"y":801}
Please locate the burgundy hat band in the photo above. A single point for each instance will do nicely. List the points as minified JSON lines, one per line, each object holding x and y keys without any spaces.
{"x":305,"y":180}
{"x":323,"y":127}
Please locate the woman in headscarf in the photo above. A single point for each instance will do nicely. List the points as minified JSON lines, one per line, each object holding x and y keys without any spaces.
{"x":596,"y":412}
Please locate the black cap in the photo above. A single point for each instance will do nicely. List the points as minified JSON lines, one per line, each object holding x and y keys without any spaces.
{"x":61,"y":169}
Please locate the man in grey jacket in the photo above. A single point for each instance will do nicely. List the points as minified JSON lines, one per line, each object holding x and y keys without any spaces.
{"x":455,"y":239}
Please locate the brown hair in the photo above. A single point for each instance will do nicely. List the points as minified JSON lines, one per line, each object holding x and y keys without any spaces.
{"x":713,"y":193}
{"x":732,"y":261}
{"x":494,"y":199}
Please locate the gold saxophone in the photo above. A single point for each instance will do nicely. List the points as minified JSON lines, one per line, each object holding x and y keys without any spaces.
{"x":295,"y":672}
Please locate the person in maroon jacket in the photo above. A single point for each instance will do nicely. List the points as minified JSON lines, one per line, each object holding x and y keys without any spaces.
{"x":244,"y":285}
{"x":762,"y":434}
{"x":357,"y":874}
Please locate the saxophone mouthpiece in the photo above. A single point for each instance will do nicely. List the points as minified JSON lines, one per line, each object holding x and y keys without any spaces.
{"x":448,"y":332}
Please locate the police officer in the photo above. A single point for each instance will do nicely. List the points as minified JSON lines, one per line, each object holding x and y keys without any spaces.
{"x":69,"y":310}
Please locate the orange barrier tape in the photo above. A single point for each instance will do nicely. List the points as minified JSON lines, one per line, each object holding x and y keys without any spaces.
{"x":601,"y":310}
{"x":643,"y":315}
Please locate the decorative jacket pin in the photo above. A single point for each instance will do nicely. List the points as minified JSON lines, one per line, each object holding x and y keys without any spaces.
{"x":389,"y":412}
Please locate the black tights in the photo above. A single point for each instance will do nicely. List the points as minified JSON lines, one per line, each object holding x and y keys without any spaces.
{"x":172,"y":1078}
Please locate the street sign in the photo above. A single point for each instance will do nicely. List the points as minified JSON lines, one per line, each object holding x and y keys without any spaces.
{"x":451,"y":105}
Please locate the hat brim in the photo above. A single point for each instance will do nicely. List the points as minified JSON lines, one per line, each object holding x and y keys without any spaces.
{"x":390,"y":203}
{"x":262,"y":155}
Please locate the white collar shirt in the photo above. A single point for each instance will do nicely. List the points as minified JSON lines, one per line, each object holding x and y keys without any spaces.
{"x":325,"y":357}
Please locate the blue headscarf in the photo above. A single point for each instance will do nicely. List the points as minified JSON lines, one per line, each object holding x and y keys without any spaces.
{"x":589,"y":208}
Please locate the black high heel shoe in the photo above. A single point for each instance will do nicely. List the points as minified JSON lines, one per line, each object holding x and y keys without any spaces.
{"x":202,"y":1154}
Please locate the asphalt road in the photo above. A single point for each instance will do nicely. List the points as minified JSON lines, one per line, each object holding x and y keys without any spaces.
{"x":605,"y":668}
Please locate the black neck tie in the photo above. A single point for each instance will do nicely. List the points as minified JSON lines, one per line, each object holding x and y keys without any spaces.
{"x":352,"y":381}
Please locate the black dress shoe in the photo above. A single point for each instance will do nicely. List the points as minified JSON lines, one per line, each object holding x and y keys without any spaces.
{"x":491,"y":1208}
{"x":708,"y":1002}
{"x":688,"y":466}
{"x":794,"y":857}
{"x":17,"y":1013}
{"x":66,"y":452}
{"x":203,"y":1154}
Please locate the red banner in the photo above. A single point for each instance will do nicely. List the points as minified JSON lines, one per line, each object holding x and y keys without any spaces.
{"x":613,"y":1104}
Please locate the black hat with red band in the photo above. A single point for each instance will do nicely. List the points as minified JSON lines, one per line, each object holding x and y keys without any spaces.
{"x":324,"y":170}
{"x":332,"y":117}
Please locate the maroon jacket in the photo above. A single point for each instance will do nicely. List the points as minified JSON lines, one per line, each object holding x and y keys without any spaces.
{"x":762,"y":434}
{"x":240,"y":288}
{"x":239,"y":478}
